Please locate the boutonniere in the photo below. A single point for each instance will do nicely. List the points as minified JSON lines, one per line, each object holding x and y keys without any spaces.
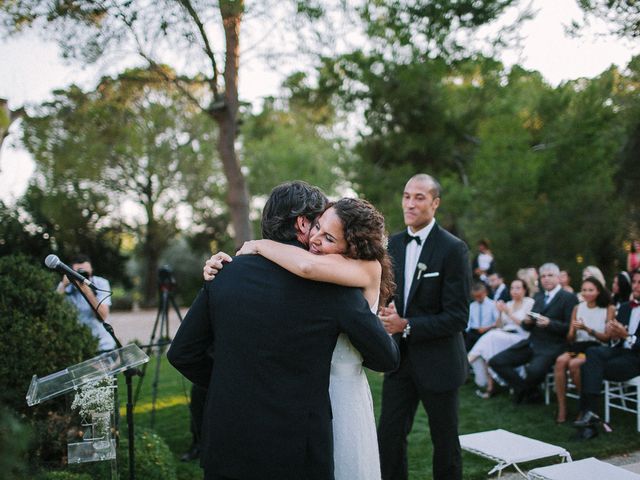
{"x":421,"y":268}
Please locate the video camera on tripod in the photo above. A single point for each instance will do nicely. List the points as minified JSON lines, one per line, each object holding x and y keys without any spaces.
{"x":166,"y":280}
{"x":160,"y":336}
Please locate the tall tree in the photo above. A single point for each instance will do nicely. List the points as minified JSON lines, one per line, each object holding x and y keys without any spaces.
{"x":135,"y":143}
{"x":89,"y":29}
{"x":200,"y":39}
{"x":623,"y":16}
{"x":7,"y":117}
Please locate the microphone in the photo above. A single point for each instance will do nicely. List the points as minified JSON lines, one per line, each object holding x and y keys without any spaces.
{"x":53,"y":262}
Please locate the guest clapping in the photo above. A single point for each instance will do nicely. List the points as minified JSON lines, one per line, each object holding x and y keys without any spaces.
{"x":587,"y":329}
{"x":510,"y":332}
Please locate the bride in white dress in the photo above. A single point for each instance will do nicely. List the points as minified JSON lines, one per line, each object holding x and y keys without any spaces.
{"x":347,"y":246}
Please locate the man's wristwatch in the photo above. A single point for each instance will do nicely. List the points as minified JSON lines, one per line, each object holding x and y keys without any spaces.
{"x":407,"y":330}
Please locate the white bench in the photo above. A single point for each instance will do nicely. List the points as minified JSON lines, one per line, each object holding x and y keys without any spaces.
{"x":508,"y":448}
{"x":587,"y":469}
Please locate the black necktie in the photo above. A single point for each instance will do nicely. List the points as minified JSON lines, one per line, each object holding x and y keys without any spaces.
{"x":409,"y":238}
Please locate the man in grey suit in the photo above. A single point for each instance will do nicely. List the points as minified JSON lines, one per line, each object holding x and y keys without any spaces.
{"x":548,"y":324}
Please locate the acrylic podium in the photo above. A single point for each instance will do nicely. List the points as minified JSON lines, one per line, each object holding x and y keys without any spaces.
{"x":94,"y":383}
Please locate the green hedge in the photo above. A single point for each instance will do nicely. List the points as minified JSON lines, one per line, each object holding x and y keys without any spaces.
{"x":39,"y":331}
{"x":154,"y":460}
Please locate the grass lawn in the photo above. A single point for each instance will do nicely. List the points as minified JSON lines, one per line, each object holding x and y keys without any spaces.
{"x":535,"y":421}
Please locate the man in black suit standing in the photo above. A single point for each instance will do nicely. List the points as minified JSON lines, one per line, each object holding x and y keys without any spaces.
{"x":427,"y":318}
{"x":272,"y":334}
{"x":619,"y":361}
{"x":548,"y":324}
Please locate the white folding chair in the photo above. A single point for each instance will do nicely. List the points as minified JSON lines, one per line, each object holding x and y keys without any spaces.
{"x":623,"y":396}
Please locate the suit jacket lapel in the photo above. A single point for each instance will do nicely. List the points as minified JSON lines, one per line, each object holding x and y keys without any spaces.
{"x":551,"y":302}
{"x":426,"y":255}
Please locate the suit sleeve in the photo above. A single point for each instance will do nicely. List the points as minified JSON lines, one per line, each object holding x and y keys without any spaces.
{"x":366,"y":333}
{"x":190,"y":349}
{"x":455,"y":300}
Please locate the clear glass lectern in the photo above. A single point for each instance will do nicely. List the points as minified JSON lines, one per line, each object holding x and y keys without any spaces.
{"x":92,"y":380}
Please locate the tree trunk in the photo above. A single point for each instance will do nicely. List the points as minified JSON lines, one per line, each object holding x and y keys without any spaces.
{"x":151,"y":256}
{"x":227,"y":118}
{"x":7,"y":117}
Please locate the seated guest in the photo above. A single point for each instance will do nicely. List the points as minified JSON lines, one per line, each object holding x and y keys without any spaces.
{"x":591,"y":271}
{"x":510,"y":332}
{"x":548,"y":324}
{"x":498,"y":289}
{"x":530,"y":276}
{"x":619,"y":361}
{"x":587,"y":329}
{"x":565,"y":281}
{"x":620,"y":289}
{"x":482,"y":315}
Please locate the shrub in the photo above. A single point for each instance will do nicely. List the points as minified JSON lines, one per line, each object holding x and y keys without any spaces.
{"x":154,"y":460}
{"x":39,"y":331}
{"x":14,"y":438}
{"x":121,"y":300}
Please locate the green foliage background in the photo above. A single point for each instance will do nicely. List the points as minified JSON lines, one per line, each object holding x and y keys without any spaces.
{"x":39,"y":330}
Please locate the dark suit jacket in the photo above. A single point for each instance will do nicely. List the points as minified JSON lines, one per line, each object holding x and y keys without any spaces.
{"x":504,"y":295}
{"x":559,"y":310}
{"x":624,"y":317}
{"x":437,"y":309}
{"x":268,"y":414}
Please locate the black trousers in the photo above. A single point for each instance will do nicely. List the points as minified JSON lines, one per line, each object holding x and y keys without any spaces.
{"x":471,"y":337}
{"x":605,"y":363}
{"x":400,"y":398}
{"x":537,"y":363}
{"x":196,"y":407}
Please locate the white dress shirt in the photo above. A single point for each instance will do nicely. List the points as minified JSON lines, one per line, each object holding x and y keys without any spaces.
{"x":482,"y":314}
{"x":634,"y":320}
{"x":552,"y":293}
{"x":412,"y":254}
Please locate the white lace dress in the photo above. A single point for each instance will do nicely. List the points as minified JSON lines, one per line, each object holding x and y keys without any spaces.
{"x":355,"y":442}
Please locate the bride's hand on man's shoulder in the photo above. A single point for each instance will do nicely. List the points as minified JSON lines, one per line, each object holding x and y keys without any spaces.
{"x":214,"y":265}
{"x":249,"y":247}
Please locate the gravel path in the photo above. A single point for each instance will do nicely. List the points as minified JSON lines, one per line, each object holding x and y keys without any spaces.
{"x":129,"y":326}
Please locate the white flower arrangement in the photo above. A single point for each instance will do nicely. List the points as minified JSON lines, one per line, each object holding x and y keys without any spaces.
{"x":94,"y":403}
{"x":95,"y":397}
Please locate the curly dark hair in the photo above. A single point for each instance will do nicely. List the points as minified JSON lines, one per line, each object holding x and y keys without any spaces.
{"x":286,"y":203}
{"x":364,"y":232}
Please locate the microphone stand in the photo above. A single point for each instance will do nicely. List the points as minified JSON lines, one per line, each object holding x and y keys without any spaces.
{"x":128,"y":374}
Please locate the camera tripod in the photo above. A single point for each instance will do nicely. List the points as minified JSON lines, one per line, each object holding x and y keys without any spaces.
{"x":161,"y":332}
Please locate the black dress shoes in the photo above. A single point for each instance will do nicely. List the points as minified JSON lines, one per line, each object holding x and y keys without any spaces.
{"x":192,"y":454}
{"x":588,"y":419}
{"x":587,"y":433}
